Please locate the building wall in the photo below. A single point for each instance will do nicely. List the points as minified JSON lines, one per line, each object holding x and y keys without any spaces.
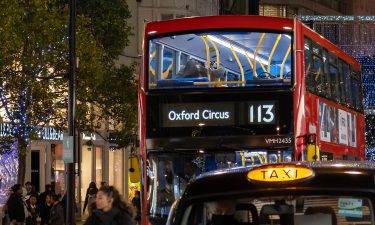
{"x":155,"y":10}
{"x":309,"y":7}
{"x":364,"y":7}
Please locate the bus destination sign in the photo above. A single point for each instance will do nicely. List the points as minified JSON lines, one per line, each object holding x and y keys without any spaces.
{"x":198,"y":114}
{"x":219,"y":114}
{"x":262,"y":112}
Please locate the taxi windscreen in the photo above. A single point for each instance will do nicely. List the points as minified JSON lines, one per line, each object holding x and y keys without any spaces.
{"x":220,"y":59}
{"x":281,"y":210}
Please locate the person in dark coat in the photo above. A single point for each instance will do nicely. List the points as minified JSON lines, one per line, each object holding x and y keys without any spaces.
{"x":43,"y":195}
{"x":15,"y":205}
{"x":111,"y":209}
{"x":136,"y":201}
{"x":45,"y":210}
{"x":30,"y":190}
{"x":90,"y":196}
{"x":33,"y":210}
{"x":57,"y":212}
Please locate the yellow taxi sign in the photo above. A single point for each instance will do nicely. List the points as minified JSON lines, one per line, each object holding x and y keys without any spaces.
{"x":280,"y":173}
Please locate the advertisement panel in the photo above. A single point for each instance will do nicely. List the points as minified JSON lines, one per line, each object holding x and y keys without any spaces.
{"x":336,"y":125}
{"x":343,"y":127}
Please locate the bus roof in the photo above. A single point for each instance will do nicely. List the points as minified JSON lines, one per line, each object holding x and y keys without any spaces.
{"x":186,"y":24}
{"x":218,"y":22}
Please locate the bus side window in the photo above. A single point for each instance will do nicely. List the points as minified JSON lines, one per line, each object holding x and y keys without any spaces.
{"x":310,"y":84}
{"x":333,"y":77}
{"x":318,"y":76}
{"x":360,"y":90}
{"x":341,"y":82}
{"x":346,"y":75}
{"x":356,"y":90}
{"x":326,"y":78}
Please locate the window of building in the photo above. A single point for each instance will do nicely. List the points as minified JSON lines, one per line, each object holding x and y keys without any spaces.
{"x":234,"y":7}
{"x":167,"y":16}
{"x":170,"y":16}
{"x":273,"y":10}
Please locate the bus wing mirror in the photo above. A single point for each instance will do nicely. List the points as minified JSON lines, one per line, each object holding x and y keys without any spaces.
{"x":311,"y":139}
{"x":313,"y":152}
{"x":134,"y":169}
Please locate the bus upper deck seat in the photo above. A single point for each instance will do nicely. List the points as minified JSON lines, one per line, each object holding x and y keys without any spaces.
{"x":182,"y":82}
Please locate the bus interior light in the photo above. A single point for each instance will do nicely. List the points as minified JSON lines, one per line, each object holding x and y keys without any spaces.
{"x":236,"y":49}
{"x":288,"y":36}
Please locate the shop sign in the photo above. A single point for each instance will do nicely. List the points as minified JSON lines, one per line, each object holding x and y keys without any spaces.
{"x":68,"y":155}
{"x":89,"y":136}
{"x":47,"y":133}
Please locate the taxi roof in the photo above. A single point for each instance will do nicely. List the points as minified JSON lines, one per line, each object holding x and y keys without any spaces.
{"x":329,"y":176}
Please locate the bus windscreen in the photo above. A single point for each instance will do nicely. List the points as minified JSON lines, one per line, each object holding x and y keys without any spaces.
{"x":219,"y":60}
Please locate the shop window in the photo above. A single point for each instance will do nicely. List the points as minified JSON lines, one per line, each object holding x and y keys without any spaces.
{"x":86,"y":169}
{"x":116,"y":171}
{"x":98,"y":164}
{"x":58,"y":168}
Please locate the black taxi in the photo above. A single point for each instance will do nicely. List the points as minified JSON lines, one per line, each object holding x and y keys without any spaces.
{"x":302,"y":193}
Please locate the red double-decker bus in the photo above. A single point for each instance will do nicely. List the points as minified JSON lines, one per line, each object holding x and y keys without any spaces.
{"x":229,"y":91}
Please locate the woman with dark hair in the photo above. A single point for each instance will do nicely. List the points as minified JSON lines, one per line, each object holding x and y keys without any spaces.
{"x":15,"y":205}
{"x":111,"y":209}
{"x":90,"y":196}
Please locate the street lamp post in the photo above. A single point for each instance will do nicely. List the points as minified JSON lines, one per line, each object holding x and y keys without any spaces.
{"x":70,"y":167}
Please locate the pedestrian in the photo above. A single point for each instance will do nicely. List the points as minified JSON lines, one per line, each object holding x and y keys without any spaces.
{"x":63,"y":204}
{"x":15,"y":205}
{"x":43,"y":195}
{"x":45,"y":210}
{"x":56,"y":216}
{"x":33,"y":210}
{"x":103,"y":183}
{"x":90,"y":196}
{"x":111,"y":209}
{"x":30,"y":190}
{"x":136,"y":202}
